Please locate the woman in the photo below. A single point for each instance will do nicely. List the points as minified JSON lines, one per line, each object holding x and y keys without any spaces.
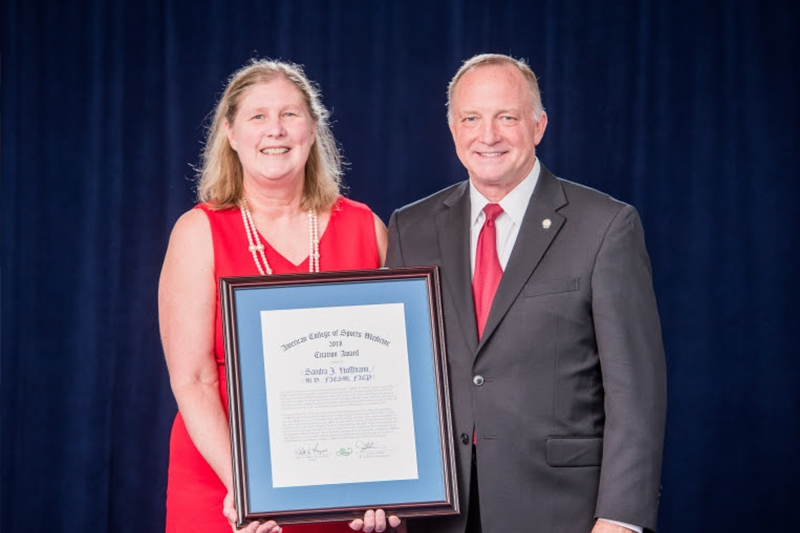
{"x":269,"y":203}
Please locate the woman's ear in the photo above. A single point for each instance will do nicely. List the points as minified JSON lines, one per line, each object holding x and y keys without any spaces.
{"x":229,"y":133}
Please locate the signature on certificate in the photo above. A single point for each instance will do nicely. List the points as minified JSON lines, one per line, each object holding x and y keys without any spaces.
{"x":364,"y":446}
{"x":309,"y":451}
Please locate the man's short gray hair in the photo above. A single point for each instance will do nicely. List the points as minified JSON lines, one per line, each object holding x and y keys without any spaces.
{"x":483,"y":60}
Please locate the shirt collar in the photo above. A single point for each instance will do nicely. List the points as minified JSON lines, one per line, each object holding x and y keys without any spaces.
{"x":514,"y":203}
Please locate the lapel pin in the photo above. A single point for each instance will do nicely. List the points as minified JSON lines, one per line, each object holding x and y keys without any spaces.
{"x":546,"y":223}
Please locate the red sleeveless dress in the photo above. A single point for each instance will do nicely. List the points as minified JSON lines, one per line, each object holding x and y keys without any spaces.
{"x":194,"y":492}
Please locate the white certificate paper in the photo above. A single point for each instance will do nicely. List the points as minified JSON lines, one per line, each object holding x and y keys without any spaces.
{"x":338,"y":395}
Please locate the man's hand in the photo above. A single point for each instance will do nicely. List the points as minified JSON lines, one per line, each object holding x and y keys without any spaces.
{"x":377,"y":521}
{"x":601,"y":526}
{"x":229,"y":511}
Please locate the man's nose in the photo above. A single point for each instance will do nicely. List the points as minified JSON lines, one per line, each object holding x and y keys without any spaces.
{"x":489,"y":133}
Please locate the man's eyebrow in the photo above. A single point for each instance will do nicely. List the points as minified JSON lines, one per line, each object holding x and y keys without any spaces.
{"x":510,"y":110}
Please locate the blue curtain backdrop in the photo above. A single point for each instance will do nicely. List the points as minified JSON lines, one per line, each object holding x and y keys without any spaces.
{"x":688,"y":109}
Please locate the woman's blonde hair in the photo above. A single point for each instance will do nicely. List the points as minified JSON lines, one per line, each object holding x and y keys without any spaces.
{"x":220,"y":175}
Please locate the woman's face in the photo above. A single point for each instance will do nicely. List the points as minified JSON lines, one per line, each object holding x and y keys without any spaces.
{"x":272,"y":132}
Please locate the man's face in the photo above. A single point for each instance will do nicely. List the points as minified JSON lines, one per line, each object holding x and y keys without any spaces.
{"x":493,"y":128}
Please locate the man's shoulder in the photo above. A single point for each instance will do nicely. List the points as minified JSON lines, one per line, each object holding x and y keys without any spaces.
{"x":583,"y":196}
{"x":429,"y":205}
{"x":592,"y":209}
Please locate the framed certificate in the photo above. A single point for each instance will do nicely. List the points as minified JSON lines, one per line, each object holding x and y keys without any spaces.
{"x":338,"y":395}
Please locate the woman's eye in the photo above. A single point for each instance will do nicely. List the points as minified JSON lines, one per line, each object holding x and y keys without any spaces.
{"x":258,"y":117}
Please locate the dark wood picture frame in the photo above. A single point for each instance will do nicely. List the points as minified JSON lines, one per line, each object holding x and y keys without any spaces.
{"x":243,"y":299}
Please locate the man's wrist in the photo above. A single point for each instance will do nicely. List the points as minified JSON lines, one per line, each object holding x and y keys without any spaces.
{"x":637,"y":529}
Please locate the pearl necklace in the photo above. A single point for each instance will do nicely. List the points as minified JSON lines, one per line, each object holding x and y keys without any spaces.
{"x":257,"y":247}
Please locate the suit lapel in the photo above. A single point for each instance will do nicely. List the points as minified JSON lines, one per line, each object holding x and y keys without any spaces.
{"x":453,"y":226}
{"x":532,"y":242}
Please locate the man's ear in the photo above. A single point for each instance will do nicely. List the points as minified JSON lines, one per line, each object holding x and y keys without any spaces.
{"x":541,"y":125}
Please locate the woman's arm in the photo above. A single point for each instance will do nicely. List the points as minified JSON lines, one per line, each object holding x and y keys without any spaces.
{"x":186,"y":305}
{"x":381,"y":237}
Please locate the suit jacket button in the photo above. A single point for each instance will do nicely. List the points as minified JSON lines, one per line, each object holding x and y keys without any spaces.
{"x":464,"y":438}
{"x":478,"y":380}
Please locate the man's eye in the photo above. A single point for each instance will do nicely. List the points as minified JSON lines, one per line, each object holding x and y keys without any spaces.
{"x":470,"y":119}
{"x":258,"y":117}
{"x":290,"y":114}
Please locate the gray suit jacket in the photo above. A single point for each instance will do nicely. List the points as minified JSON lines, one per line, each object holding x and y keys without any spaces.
{"x":570,"y":414}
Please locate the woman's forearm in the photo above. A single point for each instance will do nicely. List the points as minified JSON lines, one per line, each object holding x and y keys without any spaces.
{"x":207,"y":424}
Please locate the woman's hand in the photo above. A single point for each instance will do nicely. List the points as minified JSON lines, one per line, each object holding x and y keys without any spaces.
{"x":229,"y":511}
{"x":377,"y":521}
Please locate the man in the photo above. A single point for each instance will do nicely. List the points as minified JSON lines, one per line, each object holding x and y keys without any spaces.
{"x":554,"y":348}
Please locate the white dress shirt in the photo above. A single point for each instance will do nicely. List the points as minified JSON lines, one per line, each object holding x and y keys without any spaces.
{"x":507,"y":225}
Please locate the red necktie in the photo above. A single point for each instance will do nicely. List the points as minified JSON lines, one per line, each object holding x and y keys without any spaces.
{"x":487,"y":267}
